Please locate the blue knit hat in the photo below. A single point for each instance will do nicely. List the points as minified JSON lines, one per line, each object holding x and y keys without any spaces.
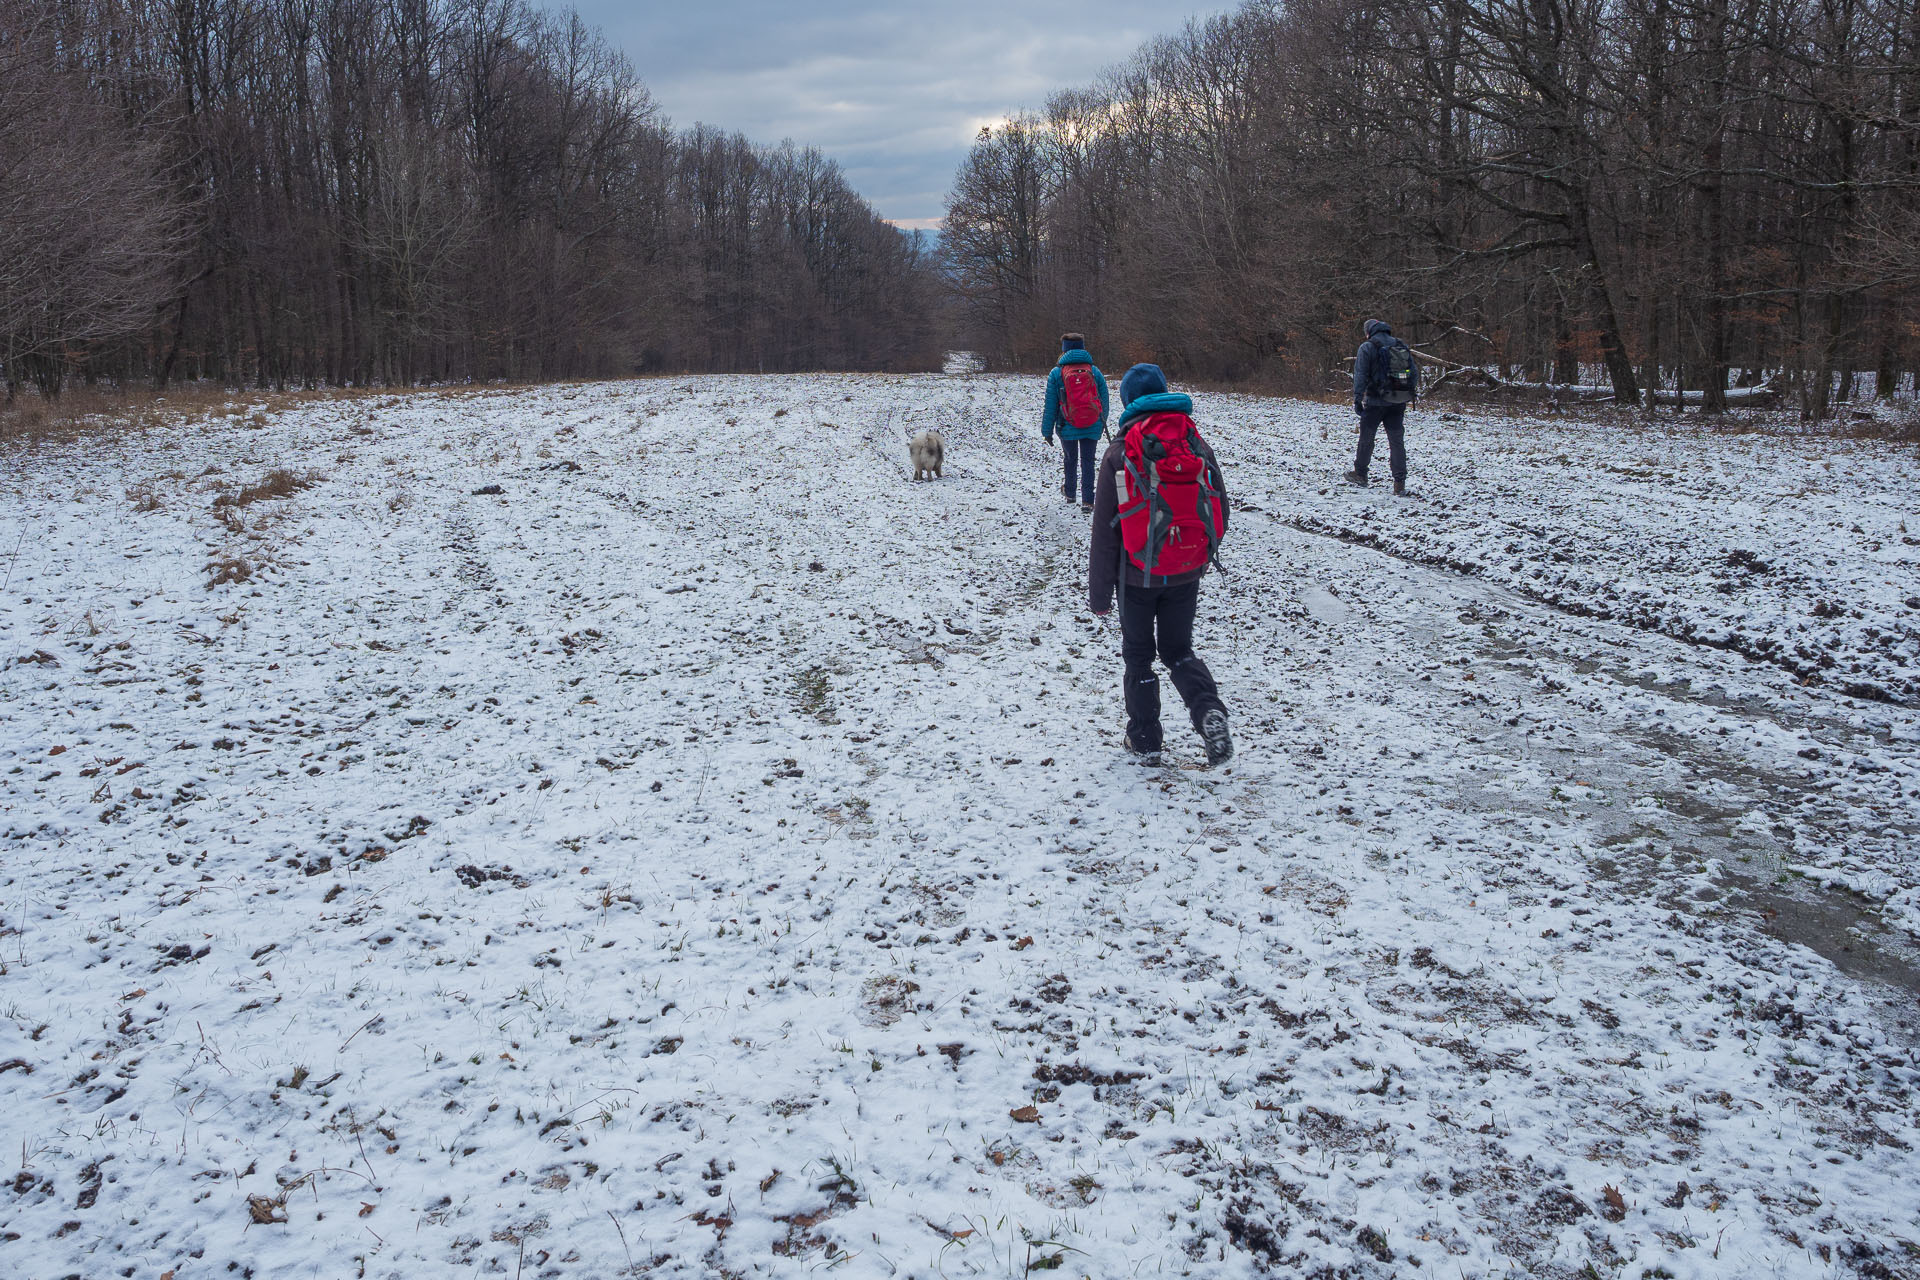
{"x":1142,"y":380}
{"x":1072,"y":342}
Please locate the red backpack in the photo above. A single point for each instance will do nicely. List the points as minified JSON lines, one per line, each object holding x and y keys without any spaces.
{"x":1170,"y":516}
{"x":1079,"y":396}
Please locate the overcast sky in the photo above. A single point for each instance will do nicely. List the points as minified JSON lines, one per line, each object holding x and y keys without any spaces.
{"x":893,"y":91}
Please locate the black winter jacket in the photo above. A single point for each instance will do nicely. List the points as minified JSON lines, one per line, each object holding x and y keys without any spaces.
{"x":1373,"y":350}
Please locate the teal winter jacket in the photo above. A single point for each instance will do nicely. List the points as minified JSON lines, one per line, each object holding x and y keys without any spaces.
{"x":1050,"y":419}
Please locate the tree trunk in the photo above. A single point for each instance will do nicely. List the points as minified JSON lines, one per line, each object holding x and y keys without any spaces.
{"x":1566,"y":360}
{"x":1606,"y":311}
{"x":1713,"y":369}
{"x":173,"y":347}
{"x":1650,"y":340}
{"x":1619,"y":365}
{"x":1886,"y":373}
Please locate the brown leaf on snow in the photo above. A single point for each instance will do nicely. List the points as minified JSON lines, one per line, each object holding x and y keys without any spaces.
{"x":1028,"y":1114}
{"x":365,"y":1209}
{"x":961,"y":1235}
{"x":1616,"y":1203}
{"x":265,"y":1211}
{"x":719,"y":1223}
{"x":1024,"y":943}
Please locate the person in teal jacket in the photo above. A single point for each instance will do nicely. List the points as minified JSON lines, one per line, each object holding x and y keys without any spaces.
{"x":1076,"y":443}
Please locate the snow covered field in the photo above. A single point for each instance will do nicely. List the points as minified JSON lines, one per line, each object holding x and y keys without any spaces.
{"x":712,"y":853}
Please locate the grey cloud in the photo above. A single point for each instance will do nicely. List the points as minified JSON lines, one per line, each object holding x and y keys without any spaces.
{"x":893,"y":92}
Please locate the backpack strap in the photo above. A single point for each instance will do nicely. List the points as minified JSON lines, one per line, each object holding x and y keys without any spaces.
{"x":1142,"y":491}
{"x":1120,"y":551}
{"x":1209,"y":495}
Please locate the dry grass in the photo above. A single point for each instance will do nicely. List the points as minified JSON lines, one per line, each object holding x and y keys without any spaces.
{"x":278,"y":483}
{"x":1905,"y":425}
{"x":88,"y":411}
{"x":1897,"y":421}
{"x":228,"y":569}
{"x":1897,"y":424}
{"x":91,"y":410}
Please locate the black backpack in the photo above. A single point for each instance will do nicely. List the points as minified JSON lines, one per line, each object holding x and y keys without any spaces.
{"x":1394,"y":378}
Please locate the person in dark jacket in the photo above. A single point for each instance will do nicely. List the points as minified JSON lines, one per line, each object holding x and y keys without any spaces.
{"x":1076,"y":443}
{"x":1378,"y":407}
{"x":1157,"y":617}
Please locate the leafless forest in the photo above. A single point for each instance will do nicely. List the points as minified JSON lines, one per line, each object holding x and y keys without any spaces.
{"x":309,"y":192}
{"x":1677,"y":194}
{"x":1668,"y":195}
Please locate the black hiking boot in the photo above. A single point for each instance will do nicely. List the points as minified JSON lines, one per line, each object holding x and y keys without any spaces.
{"x":1213,"y":731}
{"x":1355,"y":478}
{"x":1399,"y":488}
{"x":1087,"y":507}
{"x":1145,"y":757}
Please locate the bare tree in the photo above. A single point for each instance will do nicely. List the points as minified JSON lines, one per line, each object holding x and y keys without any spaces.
{"x":993,"y":236}
{"x":91,"y":228}
{"x":388,"y":190}
{"x":1659,"y":192}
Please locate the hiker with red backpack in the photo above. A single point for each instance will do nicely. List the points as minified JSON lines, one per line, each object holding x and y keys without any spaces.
{"x":1158,"y":519}
{"x":1077,"y":409}
{"x":1386,"y":379}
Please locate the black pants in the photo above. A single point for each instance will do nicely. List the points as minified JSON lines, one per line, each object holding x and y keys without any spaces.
{"x":1160,"y":619}
{"x":1394,"y":418}
{"x":1078,"y":454}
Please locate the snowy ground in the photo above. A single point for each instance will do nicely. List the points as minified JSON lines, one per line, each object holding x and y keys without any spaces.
{"x":712,"y":853}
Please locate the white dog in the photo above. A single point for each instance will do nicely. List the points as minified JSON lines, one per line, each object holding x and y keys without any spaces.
{"x":927,"y":450}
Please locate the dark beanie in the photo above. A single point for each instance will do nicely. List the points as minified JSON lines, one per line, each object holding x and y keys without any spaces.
{"x":1378,"y":326}
{"x":1073,"y":342}
{"x":1142,"y":380}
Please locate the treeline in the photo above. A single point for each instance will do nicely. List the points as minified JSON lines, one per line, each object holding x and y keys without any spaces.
{"x":1674,"y":194}
{"x":304,"y":192}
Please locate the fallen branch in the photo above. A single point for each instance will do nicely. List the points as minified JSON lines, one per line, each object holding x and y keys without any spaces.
{"x":1764,"y":394}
